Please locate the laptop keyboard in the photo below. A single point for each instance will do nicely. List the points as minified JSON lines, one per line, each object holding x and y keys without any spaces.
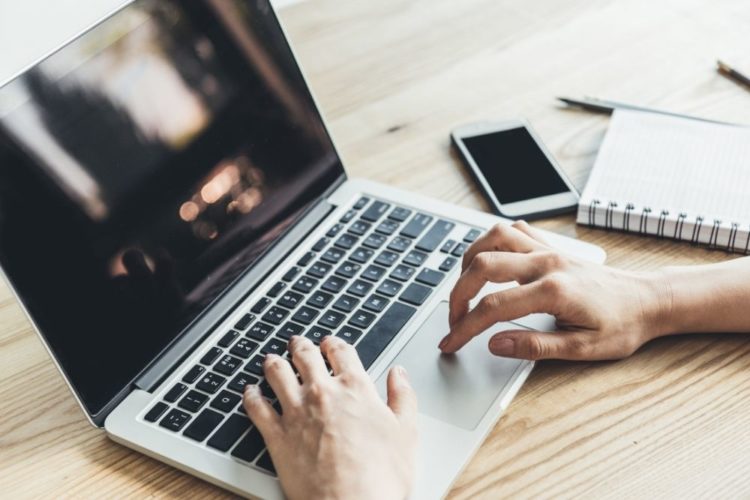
{"x":362,"y":282}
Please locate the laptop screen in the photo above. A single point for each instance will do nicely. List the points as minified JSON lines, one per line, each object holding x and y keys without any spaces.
{"x":143,"y":168}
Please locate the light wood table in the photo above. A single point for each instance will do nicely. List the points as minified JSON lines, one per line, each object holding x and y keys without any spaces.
{"x":393,"y":77}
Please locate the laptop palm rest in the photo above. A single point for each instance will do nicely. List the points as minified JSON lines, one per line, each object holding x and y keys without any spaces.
{"x":457,"y":389}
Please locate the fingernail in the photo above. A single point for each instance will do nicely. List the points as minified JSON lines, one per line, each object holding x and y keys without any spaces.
{"x":502,"y":347}
{"x":252,"y":391}
{"x":443,"y":342}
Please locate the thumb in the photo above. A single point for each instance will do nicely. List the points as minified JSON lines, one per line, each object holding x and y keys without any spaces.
{"x":526,"y":344}
{"x":401,"y":397}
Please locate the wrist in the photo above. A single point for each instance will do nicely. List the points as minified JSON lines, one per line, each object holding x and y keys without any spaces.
{"x":657,"y":303}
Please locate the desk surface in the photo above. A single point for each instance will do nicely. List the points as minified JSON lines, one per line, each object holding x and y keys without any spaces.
{"x":393,"y":77}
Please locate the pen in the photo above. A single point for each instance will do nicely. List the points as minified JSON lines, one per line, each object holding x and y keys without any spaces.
{"x":603,"y":106}
{"x":731,"y":73}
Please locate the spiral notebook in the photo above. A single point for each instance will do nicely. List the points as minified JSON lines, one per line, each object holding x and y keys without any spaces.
{"x":673,"y":178}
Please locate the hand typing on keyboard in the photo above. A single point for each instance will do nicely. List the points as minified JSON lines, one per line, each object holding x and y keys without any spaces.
{"x":335,"y":437}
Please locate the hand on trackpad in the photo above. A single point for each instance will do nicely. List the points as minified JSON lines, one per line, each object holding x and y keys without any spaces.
{"x":459,"y":388}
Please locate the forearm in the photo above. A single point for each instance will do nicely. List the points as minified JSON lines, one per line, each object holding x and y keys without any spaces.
{"x":708,"y":298}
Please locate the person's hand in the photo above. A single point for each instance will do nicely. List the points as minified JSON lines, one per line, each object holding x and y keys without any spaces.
{"x":601,"y":312}
{"x":336,"y":438}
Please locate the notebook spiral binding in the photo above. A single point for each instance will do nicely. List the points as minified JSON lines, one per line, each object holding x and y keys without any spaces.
{"x":662,"y":222}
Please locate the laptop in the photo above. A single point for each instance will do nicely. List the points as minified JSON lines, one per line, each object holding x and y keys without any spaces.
{"x":172,"y":208}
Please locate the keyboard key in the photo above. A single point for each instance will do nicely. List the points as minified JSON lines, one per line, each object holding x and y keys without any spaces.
{"x":472,"y":235}
{"x":276,"y":289}
{"x":348,"y":269}
{"x":244,"y":322}
{"x":383,"y":332}
{"x":361,"y":203}
{"x":228,"y":338}
{"x":255,"y":365}
{"x":241,"y":380}
{"x":416,"y":225}
{"x":459,"y":250}
{"x":375,"y":303}
{"x":291,"y":274}
{"x":389,"y":288}
{"x":175,"y":420}
{"x":306,"y":259}
{"x":210,"y":382}
{"x":319,"y":269}
{"x":334,"y":284}
{"x":430,"y":277}
{"x":243,"y":348}
{"x":331,"y":319}
{"x":290,"y":300}
{"x":415,"y":258}
{"x":274,"y":346}
{"x":359,"y":227}
{"x":193,"y":401}
{"x":374,"y":241}
{"x":448,"y":264}
{"x":448,"y":246}
{"x":349,"y":215}
{"x":375,"y":211}
{"x":349,"y":334}
{"x":373,"y":273}
{"x":265,"y":463}
{"x":387,"y":258}
{"x":399,"y":214}
{"x":305,"y":315}
{"x":304,"y":284}
{"x":225,"y":401}
{"x":267,"y":390}
{"x":260,"y":331}
{"x":359,"y":288}
{"x":229,"y":432}
{"x":335,"y":229}
{"x":402,"y":272}
{"x":250,"y":446}
{"x":435,"y":236}
{"x":362,"y":319}
{"x":227,"y":365}
{"x":261,"y":305}
{"x":333,"y":255}
{"x":361,"y":255}
{"x":155,"y":412}
{"x":275,"y":315}
{"x":399,"y":244}
{"x":289,"y":329}
{"x":320,"y":299}
{"x":346,"y":303}
{"x":317,"y":333}
{"x":175,"y":392}
{"x":320,"y":244}
{"x":415,"y":294}
{"x":387,"y":227}
{"x":193,"y":374}
{"x":211,"y":356}
{"x":346,"y":241}
{"x":203,"y":425}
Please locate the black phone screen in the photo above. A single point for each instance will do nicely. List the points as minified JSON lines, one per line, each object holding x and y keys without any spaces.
{"x":514,"y":166}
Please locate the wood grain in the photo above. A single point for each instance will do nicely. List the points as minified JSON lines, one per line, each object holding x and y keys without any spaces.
{"x":393,"y":77}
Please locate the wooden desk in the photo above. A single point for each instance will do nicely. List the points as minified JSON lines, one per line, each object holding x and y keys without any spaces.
{"x":394,"y":76}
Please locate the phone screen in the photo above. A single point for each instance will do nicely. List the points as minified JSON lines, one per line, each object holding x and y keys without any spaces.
{"x":513,"y":164}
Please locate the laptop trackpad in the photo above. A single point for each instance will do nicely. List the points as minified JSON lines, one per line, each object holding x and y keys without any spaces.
{"x":458,"y":389}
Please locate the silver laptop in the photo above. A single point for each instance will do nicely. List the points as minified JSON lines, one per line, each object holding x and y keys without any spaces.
{"x":172,"y":208}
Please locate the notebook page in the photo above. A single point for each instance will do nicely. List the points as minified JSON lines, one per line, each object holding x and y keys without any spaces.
{"x":672,"y":163}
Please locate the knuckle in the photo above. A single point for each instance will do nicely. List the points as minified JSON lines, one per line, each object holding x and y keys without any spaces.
{"x":317,"y":395}
{"x":535,"y":348}
{"x":481,"y":263}
{"x":488,"y":304}
{"x":520,"y":224}
{"x":553,"y":285}
{"x":552,"y":260}
{"x":498,"y":231}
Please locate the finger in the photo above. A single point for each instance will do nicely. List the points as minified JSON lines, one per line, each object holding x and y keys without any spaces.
{"x":506,"y":305}
{"x":262,"y":414}
{"x":402,"y":399}
{"x":498,"y":267}
{"x":283,"y":381}
{"x":342,"y":357}
{"x":532,"y":232}
{"x":501,"y":238}
{"x":307,"y":358}
{"x":526,"y":344}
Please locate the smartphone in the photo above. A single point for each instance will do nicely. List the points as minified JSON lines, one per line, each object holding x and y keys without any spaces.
{"x":517,"y":174}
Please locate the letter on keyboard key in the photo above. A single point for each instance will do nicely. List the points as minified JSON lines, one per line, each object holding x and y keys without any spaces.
{"x":225,"y":401}
{"x":229,"y":433}
{"x":250,"y":446}
{"x":203,"y":425}
{"x":210,"y":383}
{"x":435,"y":235}
{"x":383,"y":332}
{"x":175,"y":420}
